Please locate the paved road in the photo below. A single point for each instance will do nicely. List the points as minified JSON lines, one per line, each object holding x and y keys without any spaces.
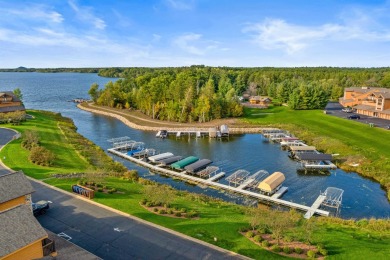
{"x":334,"y":109}
{"x":5,"y":136}
{"x":93,"y":228}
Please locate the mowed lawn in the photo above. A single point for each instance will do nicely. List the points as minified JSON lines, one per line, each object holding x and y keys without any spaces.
{"x":45,"y":124}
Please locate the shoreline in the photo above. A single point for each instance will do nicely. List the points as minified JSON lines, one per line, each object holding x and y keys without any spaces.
{"x":126,"y":121}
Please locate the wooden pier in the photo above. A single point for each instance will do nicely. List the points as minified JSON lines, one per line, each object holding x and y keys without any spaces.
{"x":211,"y":182}
{"x":314,"y":207}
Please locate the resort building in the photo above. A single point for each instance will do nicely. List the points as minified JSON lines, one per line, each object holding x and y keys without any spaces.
{"x":10,"y":103}
{"x":261,"y":101}
{"x":368,"y":101}
{"x":21,"y":235}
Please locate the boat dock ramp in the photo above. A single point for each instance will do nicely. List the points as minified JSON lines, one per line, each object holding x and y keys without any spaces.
{"x":242,"y":180}
{"x":308,"y":156}
{"x":212,"y":132}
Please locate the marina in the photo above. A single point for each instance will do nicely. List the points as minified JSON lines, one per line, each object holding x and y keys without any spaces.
{"x":363,"y":197}
{"x":269,"y":190}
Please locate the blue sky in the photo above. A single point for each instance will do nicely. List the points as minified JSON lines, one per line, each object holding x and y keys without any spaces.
{"x":248,"y":33}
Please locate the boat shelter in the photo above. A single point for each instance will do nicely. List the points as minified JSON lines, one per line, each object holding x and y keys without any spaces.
{"x":186,"y":161}
{"x":170,"y":160}
{"x":238,"y":177}
{"x":198,"y":165}
{"x":209,"y":171}
{"x":161,"y":156}
{"x":314,"y":157}
{"x":298,"y":149}
{"x":272,"y":183}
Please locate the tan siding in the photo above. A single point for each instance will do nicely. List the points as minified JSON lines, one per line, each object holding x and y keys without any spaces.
{"x":32,"y":251}
{"x":12,"y":203}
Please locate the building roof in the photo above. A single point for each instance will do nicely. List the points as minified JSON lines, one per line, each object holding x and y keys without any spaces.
{"x":366,"y":89}
{"x":14,"y":185}
{"x":272,"y":182}
{"x":12,"y":109}
{"x":364,"y":107}
{"x":10,"y":93}
{"x":19,"y":228}
{"x":314,"y":157}
{"x":302,"y":148}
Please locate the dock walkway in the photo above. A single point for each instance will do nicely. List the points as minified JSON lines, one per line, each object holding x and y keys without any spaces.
{"x":314,"y":207}
{"x":220,"y":185}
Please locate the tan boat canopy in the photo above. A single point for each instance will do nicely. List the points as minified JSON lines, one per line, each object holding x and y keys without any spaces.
{"x":302,"y":148}
{"x":272,"y":182}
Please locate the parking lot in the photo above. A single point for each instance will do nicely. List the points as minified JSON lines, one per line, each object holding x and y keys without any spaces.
{"x":335,"y":109}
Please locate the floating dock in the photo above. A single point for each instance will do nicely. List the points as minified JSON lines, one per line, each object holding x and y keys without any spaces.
{"x":211,"y":182}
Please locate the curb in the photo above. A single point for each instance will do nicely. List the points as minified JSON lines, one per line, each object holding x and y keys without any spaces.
{"x":143,"y":221}
{"x":1,"y":162}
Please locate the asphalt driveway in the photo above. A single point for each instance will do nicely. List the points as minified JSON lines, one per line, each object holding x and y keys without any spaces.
{"x":335,"y":109}
{"x":112,"y":236}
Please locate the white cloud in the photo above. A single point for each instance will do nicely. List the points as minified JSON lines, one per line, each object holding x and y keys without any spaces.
{"x":35,"y":12}
{"x":194,"y":44}
{"x":156,"y":37}
{"x":85,"y":14}
{"x":181,"y":4}
{"x":278,"y":34}
{"x":186,"y":43}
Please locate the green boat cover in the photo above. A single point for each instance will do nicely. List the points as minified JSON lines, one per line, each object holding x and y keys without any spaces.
{"x":182,"y":163}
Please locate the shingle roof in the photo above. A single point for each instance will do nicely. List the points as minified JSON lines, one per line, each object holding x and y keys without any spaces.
{"x":12,"y":109}
{"x":18,"y":228}
{"x":10,"y":93}
{"x":14,"y":185}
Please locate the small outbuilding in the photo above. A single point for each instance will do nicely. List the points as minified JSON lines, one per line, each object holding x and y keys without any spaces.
{"x":272,"y":183}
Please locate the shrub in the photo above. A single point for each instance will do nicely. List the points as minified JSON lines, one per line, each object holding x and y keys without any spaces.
{"x":99,"y":185}
{"x":167,"y":205}
{"x":288,"y":238}
{"x":131,"y":175}
{"x":105,"y":187}
{"x":114,"y":190}
{"x":323,"y":251}
{"x":41,"y":156}
{"x":149,"y":204}
{"x":265,"y":243}
{"x":144,"y":201}
{"x":311,"y":254}
{"x":257,"y":238}
{"x":80,"y":182}
{"x":155,"y":209}
{"x":262,"y":230}
{"x":249,"y":234}
{"x":298,"y":250}
{"x":169,"y":211}
{"x":178,"y":214}
{"x":110,"y":191}
{"x":162,"y":211}
{"x":192,"y":214}
{"x":276,"y":248}
{"x":287,"y":250}
{"x":99,"y":189}
{"x":183,"y":210}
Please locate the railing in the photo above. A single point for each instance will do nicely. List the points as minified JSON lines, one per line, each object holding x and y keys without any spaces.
{"x":48,"y":247}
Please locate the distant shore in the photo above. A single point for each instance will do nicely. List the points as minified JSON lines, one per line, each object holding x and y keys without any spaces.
{"x":133,"y":120}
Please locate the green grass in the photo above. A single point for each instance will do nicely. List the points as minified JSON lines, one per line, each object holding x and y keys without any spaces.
{"x":354,"y":141}
{"x":218,"y":219}
{"x":223,"y":220}
{"x":45,"y":124}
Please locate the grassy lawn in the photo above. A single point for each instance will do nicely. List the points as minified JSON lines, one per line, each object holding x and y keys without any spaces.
{"x":223,"y":220}
{"x":218,"y":219}
{"x":354,"y":141}
{"x":45,"y":124}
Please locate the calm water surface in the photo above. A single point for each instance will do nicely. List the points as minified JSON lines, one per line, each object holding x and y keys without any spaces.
{"x":52,"y":91}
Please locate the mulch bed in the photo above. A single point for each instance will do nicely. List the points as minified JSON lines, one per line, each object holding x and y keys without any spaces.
{"x":293,"y":244}
{"x":184,"y":215}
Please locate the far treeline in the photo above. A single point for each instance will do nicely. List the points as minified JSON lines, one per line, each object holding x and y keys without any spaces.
{"x":200,"y":93}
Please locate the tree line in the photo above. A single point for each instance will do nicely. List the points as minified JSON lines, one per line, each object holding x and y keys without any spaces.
{"x":200,"y":93}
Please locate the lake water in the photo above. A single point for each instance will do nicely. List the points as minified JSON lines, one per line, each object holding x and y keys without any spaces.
{"x":52,"y":91}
